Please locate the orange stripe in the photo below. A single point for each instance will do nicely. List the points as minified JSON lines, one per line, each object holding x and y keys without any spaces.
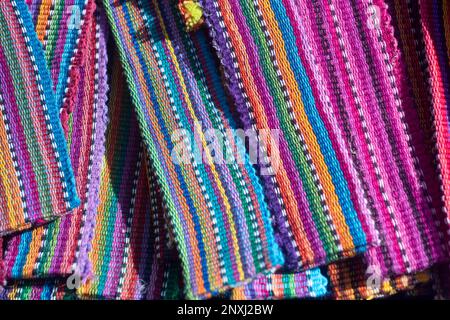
{"x":324,"y":176}
{"x":12,"y":207}
{"x":290,"y":202}
{"x":42,"y":20}
{"x":33,"y":253}
{"x":170,"y":122}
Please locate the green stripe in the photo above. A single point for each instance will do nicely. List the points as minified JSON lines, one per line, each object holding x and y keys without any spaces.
{"x":152,"y":153}
{"x":185,"y":124}
{"x":53,"y":33}
{"x":115,"y":186}
{"x":217,"y":123}
{"x":311,"y":189}
{"x":31,"y":138}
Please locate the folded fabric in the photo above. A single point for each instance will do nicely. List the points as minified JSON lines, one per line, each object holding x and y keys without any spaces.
{"x":37,"y":182}
{"x":261,"y":51}
{"x":415,"y":113}
{"x":52,"y":250}
{"x":414,"y":82}
{"x":59,"y":25}
{"x":265,"y":149}
{"x":216,"y":208}
{"x":308,"y":284}
{"x":50,"y":289}
{"x":435,"y":27}
{"x":129,"y":256}
{"x":353,"y":279}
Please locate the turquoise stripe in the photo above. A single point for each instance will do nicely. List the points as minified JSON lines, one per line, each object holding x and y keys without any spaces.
{"x":152,"y":24}
{"x":339,"y":182}
{"x":69,"y":47}
{"x":53,"y":111}
{"x":183,"y":184}
{"x":275,"y":253}
{"x":24,"y":248}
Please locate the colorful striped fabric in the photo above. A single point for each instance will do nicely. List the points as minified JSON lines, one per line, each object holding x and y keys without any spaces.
{"x":129,"y":257}
{"x":434,"y":22}
{"x":308,"y":284}
{"x":405,"y":18}
{"x":354,"y":77}
{"x":268,"y":79}
{"x":37,"y":290}
{"x":2,"y":268}
{"x":237,"y":149}
{"x":220,"y":221}
{"x":58,"y":26}
{"x":37,"y":183}
{"x":52,"y":250}
{"x":353,"y":280}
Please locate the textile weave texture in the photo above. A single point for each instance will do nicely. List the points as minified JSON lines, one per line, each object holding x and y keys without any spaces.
{"x":352,"y":63}
{"x":231,"y":149}
{"x":52,"y":250}
{"x":37,"y":182}
{"x":217,"y":211}
{"x":129,"y":255}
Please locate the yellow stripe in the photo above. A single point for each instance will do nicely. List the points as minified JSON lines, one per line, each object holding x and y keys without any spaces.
{"x":209,"y":158}
{"x":324,"y":176}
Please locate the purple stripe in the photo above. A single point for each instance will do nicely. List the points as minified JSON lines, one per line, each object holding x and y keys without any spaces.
{"x":270,"y":187}
{"x":83,"y":263}
{"x":19,"y":140}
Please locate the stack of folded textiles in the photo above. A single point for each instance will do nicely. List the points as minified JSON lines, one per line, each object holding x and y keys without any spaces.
{"x":265,"y":149}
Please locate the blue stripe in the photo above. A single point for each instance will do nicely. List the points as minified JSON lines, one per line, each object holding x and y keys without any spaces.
{"x":53,"y":111}
{"x":168,"y":139}
{"x":318,"y":126}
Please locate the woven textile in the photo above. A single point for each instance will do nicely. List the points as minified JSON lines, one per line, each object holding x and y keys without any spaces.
{"x":308,"y":284}
{"x":236,"y":149}
{"x":268,"y":80}
{"x":353,"y":280}
{"x":51,"y":250}
{"x":399,"y":252}
{"x":37,"y":182}
{"x":435,"y":27}
{"x":58,"y":26}
{"x":220,"y":221}
{"x":129,"y":256}
{"x":353,"y":71}
{"x":405,"y":18}
{"x":37,"y":290}
{"x":2,"y":270}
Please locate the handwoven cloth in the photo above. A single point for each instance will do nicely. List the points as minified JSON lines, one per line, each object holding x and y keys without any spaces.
{"x":2,"y":269}
{"x":43,"y":289}
{"x":308,"y":284}
{"x":266,"y":75}
{"x":220,"y":220}
{"x":412,"y":78}
{"x":353,"y":71}
{"x":353,"y":280}
{"x":416,"y":87}
{"x":129,"y":256}
{"x":52,"y":250}
{"x":59,"y":25}
{"x":37,"y":182}
{"x":434,"y":17}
